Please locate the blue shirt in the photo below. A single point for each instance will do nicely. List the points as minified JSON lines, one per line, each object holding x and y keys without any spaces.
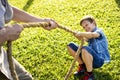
{"x":100,"y":45}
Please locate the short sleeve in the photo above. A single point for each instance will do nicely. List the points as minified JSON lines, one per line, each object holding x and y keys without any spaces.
{"x":2,"y":12}
{"x":8,"y":11}
{"x":99,"y":31}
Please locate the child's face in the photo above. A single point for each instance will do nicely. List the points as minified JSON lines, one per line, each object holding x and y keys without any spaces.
{"x":87,"y":26}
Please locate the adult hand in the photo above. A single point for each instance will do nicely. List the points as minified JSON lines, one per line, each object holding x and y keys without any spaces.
{"x":52,"y":24}
{"x":13,"y":32}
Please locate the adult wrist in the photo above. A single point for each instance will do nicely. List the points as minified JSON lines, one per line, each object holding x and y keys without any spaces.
{"x":7,"y":32}
{"x":2,"y":32}
{"x":3,"y":36}
{"x":47,"y":19}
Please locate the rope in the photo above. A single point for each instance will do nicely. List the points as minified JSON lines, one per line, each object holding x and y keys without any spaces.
{"x":66,"y":29}
{"x":73,"y":63}
{"x":38,"y":24}
{"x":9,"y":49}
{"x":10,"y":61}
{"x":44,"y":24}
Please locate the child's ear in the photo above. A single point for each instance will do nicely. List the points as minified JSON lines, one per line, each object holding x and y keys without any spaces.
{"x":94,"y":22}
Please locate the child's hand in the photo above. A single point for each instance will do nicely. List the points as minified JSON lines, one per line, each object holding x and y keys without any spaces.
{"x":78,"y":36}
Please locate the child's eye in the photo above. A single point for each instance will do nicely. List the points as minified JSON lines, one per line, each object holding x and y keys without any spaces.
{"x":83,"y":27}
{"x":86,"y":25}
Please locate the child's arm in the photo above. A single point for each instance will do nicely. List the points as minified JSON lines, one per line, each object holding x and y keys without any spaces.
{"x":80,"y":37}
{"x":87,"y":35}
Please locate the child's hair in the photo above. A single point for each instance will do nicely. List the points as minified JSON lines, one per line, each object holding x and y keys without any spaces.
{"x":88,"y":18}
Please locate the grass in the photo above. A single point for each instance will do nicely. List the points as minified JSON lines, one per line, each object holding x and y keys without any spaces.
{"x":44,"y":54}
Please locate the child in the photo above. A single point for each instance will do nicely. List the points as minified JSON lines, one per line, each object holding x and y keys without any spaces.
{"x":95,"y":54}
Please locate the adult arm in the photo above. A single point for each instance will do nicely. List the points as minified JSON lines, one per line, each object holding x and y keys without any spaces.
{"x":22,"y":16}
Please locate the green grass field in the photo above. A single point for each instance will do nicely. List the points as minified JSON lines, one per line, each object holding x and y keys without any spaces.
{"x":44,"y":54}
